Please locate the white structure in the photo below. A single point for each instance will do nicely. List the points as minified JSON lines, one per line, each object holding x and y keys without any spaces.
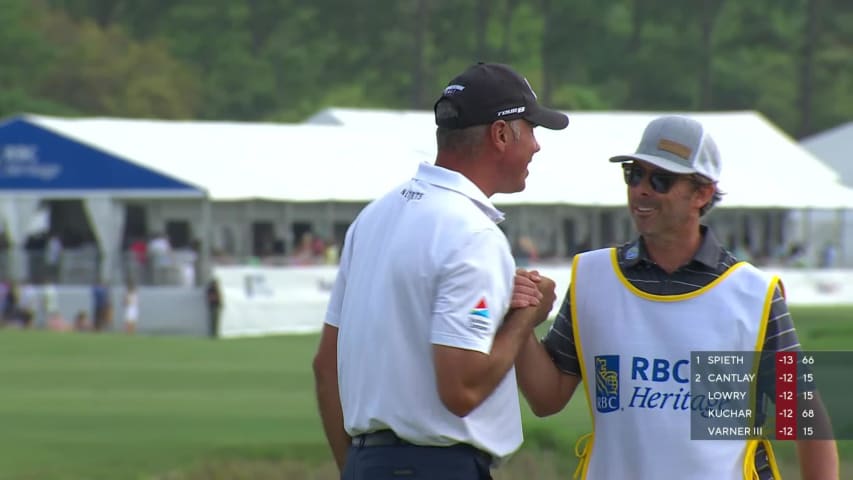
{"x":834,"y":147}
{"x":269,"y":183}
{"x":38,"y":165}
{"x":766,"y":177}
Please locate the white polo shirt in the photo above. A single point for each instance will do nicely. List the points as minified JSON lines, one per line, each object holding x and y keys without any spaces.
{"x":425,"y":264}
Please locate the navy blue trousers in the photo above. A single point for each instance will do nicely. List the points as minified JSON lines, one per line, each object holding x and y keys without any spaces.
{"x":412,"y":462}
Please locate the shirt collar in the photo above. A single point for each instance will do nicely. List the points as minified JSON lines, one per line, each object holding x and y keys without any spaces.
{"x":451,"y":180}
{"x":708,"y":253}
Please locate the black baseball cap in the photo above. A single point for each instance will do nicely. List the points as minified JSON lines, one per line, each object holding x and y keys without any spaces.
{"x":487,"y":92}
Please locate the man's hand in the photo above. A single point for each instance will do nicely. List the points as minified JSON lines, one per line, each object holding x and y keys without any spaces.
{"x":465,"y":377}
{"x":548,"y":294}
{"x":525,"y":289}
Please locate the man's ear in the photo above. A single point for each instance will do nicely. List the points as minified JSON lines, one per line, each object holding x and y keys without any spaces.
{"x":704,"y":194}
{"x":499,"y":133}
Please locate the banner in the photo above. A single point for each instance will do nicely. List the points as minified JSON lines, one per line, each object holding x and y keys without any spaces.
{"x":271,"y":300}
{"x":265,"y":300}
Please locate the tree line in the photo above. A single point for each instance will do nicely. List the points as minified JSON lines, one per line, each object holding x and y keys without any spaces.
{"x":283,"y":60}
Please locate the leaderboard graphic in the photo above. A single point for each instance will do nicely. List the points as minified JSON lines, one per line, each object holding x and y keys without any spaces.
{"x":783,"y":395}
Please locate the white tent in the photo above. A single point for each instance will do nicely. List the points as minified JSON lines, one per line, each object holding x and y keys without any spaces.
{"x":762,"y":166}
{"x":835,"y":148}
{"x":39,"y":163}
{"x":236,"y":161}
{"x":352,"y":155}
{"x":369,"y":151}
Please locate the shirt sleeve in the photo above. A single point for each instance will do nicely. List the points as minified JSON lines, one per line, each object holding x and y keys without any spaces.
{"x":336,"y":300}
{"x":473,"y":292}
{"x":559,"y":342}
{"x":781,"y":336}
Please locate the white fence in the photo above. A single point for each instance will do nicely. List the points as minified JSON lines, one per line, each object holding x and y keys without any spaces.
{"x":266,"y":300}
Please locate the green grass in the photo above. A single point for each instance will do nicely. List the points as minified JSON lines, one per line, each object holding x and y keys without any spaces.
{"x":84,"y":406}
{"x":111,"y":407}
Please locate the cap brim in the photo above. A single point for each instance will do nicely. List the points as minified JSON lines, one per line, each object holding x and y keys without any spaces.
{"x":550,"y":119}
{"x":661,"y":162}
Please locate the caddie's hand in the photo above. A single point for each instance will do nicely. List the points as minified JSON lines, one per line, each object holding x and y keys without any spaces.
{"x":548,"y":289}
{"x":525,"y":290}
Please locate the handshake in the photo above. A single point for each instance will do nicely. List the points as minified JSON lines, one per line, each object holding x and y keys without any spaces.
{"x":532,"y":290}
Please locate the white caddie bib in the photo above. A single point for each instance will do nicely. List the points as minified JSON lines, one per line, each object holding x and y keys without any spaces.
{"x":634,"y":351}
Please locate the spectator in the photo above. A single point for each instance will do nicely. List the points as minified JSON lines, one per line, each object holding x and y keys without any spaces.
{"x":318,"y":247}
{"x":102,"y":306}
{"x":159,"y":257}
{"x":10,"y":305}
{"x":797,"y":256}
{"x":139,"y":258}
{"x":28,"y":305}
{"x":526,"y":253}
{"x":131,"y":307}
{"x":304,"y":253}
{"x":214,"y":307}
{"x":4,"y":291}
{"x":188,"y":263}
{"x":81,"y":322}
{"x":50,"y":302}
{"x":52,"y":256}
{"x":331,"y":254}
{"x":828,"y":256}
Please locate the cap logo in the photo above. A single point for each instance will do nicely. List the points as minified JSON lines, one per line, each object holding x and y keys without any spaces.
{"x":512,"y":111}
{"x":453,"y":89}
{"x":674,"y":148}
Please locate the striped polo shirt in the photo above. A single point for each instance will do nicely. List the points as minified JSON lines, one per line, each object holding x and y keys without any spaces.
{"x":709,"y":262}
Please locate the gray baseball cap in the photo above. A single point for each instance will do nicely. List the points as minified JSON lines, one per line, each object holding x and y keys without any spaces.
{"x":679,"y":145}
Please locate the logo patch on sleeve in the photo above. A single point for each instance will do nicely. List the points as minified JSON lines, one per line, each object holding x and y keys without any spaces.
{"x":481,"y":309}
{"x":480,"y":317}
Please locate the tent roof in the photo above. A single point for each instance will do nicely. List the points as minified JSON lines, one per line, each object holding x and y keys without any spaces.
{"x":356,"y":155}
{"x":762,"y":166}
{"x":36,"y":160}
{"x":237,"y":161}
{"x":835,"y":148}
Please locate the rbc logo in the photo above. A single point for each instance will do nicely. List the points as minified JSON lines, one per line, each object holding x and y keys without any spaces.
{"x":607,"y":383}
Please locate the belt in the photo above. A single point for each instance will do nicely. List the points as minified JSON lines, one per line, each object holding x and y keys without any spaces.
{"x":387,"y":438}
{"x":381,"y":438}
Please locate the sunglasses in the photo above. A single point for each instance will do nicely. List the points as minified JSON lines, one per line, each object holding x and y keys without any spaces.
{"x":660,"y":180}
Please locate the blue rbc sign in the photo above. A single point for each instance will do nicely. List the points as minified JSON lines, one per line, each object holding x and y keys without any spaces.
{"x":606,"y":383}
